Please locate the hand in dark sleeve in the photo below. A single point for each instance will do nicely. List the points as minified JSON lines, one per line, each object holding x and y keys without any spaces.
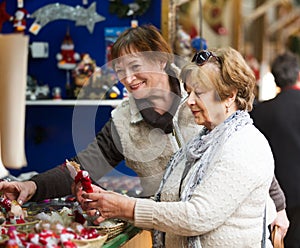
{"x":103,"y":154}
{"x":281,"y":220}
{"x":53,"y":183}
{"x":98,"y":158}
{"x":277,"y":195}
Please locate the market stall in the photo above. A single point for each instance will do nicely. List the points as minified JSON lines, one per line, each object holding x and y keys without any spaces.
{"x":57,"y":223}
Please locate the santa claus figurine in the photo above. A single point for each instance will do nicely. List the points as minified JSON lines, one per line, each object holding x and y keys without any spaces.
{"x":19,"y":20}
{"x":86,"y":182}
{"x":67,"y":58}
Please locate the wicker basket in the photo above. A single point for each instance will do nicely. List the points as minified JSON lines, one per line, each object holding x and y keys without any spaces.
{"x":112,"y":231}
{"x":26,"y":227}
{"x":90,"y":243}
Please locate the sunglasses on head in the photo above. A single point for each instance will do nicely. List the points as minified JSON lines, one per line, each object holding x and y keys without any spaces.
{"x":203,"y":56}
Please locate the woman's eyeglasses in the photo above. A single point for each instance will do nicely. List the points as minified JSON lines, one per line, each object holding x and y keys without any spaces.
{"x":203,"y":56}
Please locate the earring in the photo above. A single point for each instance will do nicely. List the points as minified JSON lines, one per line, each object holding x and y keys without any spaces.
{"x":227,"y":109}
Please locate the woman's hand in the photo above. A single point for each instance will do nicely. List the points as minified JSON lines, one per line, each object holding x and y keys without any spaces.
{"x":77,"y":190}
{"x":108,"y":204}
{"x":282,"y":222}
{"x":20,"y":191}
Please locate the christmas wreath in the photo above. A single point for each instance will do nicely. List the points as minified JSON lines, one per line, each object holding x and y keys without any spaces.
{"x":137,"y":8}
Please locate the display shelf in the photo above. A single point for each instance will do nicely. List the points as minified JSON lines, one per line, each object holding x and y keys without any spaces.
{"x":51,"y":102}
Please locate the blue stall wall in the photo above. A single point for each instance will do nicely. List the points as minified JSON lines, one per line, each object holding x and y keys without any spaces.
{"x":45,"y":70}
{"x":48,"y":130}
{"x":54,"y":134}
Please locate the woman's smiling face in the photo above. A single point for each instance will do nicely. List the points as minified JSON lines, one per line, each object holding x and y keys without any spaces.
{"x":141,"y":76}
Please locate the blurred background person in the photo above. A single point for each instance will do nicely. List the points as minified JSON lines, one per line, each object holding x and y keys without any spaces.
{"x":279,"y":120}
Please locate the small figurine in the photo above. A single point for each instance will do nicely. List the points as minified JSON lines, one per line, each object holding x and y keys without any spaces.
{"x":183,"y":43}
{"x":16,"y":214}
{"x":67,"y":58}
{"x":80,"y":176}
{"x":12,"y":211}
{"x":84,"y":70}
{"x":83,"y":177}
{"x":19,"y":20}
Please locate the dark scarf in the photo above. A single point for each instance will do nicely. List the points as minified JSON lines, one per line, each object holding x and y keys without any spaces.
{"x":155,"y":119}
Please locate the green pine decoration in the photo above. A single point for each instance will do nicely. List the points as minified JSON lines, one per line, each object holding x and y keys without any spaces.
{"x":136,"y":8}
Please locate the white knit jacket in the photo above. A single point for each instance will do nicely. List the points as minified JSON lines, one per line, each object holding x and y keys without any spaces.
{"x":228,"y":205}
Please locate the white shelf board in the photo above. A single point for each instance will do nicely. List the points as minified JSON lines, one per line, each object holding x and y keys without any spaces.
{"x":51,"y":102}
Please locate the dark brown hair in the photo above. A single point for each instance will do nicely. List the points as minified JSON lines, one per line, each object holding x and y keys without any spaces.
{"x":144,"y":38}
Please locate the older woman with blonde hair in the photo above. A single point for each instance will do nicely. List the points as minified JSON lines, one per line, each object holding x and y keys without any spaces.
{"x":216,"y":188}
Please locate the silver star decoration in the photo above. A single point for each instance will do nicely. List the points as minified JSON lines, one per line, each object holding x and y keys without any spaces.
{"x":88,"y":17}
{"x":52,"y":12}
{"x":83,"y":17}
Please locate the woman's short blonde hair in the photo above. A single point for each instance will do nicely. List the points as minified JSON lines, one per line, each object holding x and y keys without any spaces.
{"x":227,"y":71}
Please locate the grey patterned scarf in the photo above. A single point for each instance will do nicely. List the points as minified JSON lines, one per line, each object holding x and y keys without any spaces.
{"x":199,"y":152}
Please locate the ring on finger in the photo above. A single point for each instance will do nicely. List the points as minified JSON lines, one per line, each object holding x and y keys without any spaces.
{"x":97,"y":213}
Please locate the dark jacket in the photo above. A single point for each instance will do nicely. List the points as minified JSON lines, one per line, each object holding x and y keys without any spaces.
{"x":279,"y":120}
{"x":57,"y":182}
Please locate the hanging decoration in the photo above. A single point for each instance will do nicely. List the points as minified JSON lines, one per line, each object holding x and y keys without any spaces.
{"x":182,"y":45}
{"x":213,"y":14}
{"x":199,"y":42}
{"x":19,"y":20}
{"x":20,"y":3}
{"x":137,"y":8}
{"x":188,"y":38}
{"x":51,"y":12}
{"x":67,"y":58}
{"x":4,"y":16}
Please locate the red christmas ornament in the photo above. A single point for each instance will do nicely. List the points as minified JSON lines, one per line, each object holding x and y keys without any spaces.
{"x":67,"y":58}
{"x":4,"y":16}
{"x":83,"y":177}
{"x":69,"y":244}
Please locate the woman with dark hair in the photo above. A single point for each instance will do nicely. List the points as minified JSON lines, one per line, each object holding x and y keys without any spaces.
{"x":144,"y":130}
